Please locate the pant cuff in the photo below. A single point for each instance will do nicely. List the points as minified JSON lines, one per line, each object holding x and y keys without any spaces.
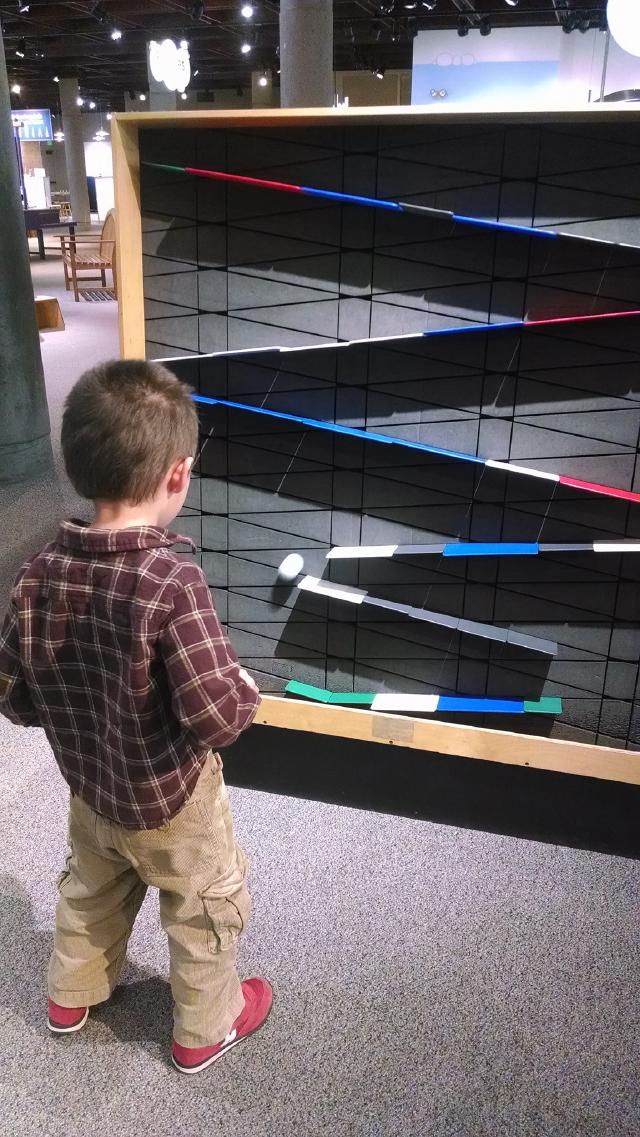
{"x":73,"y":999}
{"x":211,"y":1038}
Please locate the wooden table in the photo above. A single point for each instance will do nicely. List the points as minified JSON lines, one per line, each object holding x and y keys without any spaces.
{"x":40,"y":219}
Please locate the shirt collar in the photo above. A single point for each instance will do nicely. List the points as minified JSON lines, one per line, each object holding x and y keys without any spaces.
{"x":78,"y":536}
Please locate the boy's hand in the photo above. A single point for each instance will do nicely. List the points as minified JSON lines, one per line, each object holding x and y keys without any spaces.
{"x":248,"y":678}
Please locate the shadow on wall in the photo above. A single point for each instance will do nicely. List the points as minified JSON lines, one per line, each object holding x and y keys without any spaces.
{"x":560,"y":809}
{"x":233,"y":267}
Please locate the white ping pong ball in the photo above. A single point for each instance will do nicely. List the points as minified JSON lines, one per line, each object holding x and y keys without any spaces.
{"x":291,"y":567}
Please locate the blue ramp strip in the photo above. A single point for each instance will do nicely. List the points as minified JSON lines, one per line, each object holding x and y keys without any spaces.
{"x":481,"y":706}
{"x":334,"y":428}
{"x":351,"y":198}
{"x":491,"y":549}
{"x":483,"y":223}
{"x":475,"y":328}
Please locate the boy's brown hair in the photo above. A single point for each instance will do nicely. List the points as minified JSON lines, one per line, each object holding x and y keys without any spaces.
{"x":124,"y":423}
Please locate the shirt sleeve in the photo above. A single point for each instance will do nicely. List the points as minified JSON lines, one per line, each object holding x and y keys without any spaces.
{"x":15,"y":699}
{"x":208,"y":694}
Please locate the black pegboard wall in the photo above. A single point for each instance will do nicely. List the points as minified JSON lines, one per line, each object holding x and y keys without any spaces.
{"x":561,"y":398}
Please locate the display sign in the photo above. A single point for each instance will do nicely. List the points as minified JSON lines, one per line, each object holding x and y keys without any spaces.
{"x":33,"y":126}
{"x":170,"y":64}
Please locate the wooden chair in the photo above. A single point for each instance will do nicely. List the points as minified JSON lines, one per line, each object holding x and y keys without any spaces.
{"x":88,"y":252}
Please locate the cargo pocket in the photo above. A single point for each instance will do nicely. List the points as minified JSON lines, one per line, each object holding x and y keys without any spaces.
{"x":226,"y":917}
{"x":65,"y":876}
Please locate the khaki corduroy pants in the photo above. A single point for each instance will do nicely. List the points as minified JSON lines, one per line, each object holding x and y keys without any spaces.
{"x":200,"y":872}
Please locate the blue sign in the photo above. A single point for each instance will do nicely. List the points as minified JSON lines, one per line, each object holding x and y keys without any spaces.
{"x":33,"y":126}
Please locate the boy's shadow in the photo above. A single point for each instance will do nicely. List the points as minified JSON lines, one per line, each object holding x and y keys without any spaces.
{"x":139,"y":1011}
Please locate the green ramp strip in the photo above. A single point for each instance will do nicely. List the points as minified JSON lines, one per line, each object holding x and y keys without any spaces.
{"x":308,"y":692}
{"x":357,"y":697}
{"x":543,"y":707}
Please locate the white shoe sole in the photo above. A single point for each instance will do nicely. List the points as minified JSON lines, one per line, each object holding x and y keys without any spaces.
{"x":68,"y":1029}
{"x":209,"y":1061}
{"x":221,"y":1053}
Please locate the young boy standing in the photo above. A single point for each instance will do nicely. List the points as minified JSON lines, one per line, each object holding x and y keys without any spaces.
{"x":113,"y":646}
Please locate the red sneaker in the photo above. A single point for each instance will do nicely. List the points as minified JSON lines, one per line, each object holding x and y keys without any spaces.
{"x":65,"y":1020}
{"x":258,"y":999}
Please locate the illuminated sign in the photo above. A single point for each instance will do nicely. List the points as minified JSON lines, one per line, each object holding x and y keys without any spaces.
{"x":33,"y":126}
{"x":170,"y":64}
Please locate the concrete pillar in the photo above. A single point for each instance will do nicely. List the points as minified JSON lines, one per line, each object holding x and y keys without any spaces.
{"x":261,"y":92}
{"x":160,"y":99}
{"x":306,"y":53}
{"x":74,"y":150}
{"x":25,"y":448}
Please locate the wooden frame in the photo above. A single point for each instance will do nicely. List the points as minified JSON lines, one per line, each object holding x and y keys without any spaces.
{"x":577,"y":758}
{"x":455,"y":739}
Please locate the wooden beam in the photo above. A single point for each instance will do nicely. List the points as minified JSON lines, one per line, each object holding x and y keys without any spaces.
{"x":580,"y":758}
{"x":126,"y":169}
{"x":318,"y":116}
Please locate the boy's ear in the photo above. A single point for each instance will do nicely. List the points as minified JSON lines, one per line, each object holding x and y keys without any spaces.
{"x":179,"y":475}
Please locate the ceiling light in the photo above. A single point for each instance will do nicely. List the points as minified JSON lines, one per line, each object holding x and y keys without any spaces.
{"x":485,"y":26}
{"x":92,"y":105}
{"x":109,"y":116}
{"x":21,"y":49}
{"x":116,"y":33}
{"x":245,"y":48}
{"x":22,"y":8}
{"x":184,"y":43}
{"x":624,"y":24}
{"x":16,"y":89}
{"x":463,"y":26}
{"x":413,"y":4}
{"x":56,"y":79}
{"x":378,"y":72}
{"x":79,"y":101}
{"x":263,"y":81}
{"x":246,"y":11}
{"x":142,"y":97}
{"x":59,"y":136}
{"x":183,"y":95}
{"x":429,"y":4}
{"x":512,"y":3}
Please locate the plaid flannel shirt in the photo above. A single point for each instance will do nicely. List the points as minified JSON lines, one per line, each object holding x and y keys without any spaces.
{"x":112,"y":645}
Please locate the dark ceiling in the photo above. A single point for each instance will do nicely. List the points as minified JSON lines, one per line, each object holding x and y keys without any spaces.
{"x":74,"y":37}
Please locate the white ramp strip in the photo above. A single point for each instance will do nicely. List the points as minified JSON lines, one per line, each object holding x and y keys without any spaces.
{"x":513,"y":469}
{"x":360,"y":552}
{"x":351,"y":552}
{"x":421,"y":704}
{"x":334,"y":591}
{"x":616,"y":547}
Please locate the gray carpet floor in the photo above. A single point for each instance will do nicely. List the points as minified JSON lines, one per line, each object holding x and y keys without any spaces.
{"x":430,"y":981}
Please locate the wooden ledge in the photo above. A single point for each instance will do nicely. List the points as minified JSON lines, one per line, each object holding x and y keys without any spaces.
{"x":582,"y":759}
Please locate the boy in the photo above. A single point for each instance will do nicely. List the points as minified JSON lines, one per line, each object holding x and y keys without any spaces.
{"x":113,"y":646}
